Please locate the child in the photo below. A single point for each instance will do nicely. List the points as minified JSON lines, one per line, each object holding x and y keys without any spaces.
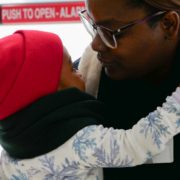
{"x":50,"y":129}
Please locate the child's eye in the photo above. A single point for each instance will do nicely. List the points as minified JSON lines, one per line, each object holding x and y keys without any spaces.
{"x":74,"y":69}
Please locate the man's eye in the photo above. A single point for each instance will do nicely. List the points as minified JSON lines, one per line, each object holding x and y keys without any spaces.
{"x":119,"y":34}
{"x":108,"y":33}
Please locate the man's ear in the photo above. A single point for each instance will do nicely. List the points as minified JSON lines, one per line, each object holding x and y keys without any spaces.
{"x":171,"y":24}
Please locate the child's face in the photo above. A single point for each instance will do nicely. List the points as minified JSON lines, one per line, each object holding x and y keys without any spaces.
{"x":69,"y":76}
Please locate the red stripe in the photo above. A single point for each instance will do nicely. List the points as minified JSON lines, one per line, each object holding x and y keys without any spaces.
{"x":46,"y":12}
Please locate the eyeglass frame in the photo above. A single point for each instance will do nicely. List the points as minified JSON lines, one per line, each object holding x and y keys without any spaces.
{"x":117,"y":32}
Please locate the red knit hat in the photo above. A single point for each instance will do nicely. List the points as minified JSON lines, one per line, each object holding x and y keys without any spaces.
{"x":30,"y":65}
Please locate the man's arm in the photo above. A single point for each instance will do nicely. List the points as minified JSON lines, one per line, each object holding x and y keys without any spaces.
{"x":96,"y":146}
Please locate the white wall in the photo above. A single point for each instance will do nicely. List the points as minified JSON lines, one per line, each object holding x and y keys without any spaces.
{"x":74,"y":36}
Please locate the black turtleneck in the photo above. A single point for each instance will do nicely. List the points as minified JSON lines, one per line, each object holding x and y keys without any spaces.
{"x":130,"y":100}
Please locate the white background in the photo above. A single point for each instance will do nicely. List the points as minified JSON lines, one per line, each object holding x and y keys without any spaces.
{"x":73,"y":35}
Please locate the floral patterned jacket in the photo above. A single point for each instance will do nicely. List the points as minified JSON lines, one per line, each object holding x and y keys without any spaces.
{"x":93,"y":147}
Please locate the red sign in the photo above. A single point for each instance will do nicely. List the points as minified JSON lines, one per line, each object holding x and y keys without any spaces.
{"x":46,"y":12}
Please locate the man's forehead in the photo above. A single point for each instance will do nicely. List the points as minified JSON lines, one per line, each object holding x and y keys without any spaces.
{"x":106,"y":4}
{"x":108,"y":14}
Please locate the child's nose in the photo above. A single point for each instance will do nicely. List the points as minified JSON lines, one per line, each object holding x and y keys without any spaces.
{"x":79,"y":74}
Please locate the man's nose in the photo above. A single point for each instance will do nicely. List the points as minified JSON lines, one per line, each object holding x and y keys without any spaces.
{"x":98,"y":45}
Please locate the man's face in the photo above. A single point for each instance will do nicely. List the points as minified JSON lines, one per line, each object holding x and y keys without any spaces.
{"x":141,"y":49}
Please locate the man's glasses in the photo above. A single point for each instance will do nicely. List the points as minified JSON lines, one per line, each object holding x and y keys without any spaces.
{"x":108,"y":36}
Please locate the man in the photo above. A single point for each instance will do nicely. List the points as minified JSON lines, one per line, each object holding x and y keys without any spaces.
{"x":136,"y":60}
